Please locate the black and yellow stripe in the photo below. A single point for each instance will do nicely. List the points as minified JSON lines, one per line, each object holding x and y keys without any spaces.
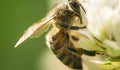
{"x":60,"y":45}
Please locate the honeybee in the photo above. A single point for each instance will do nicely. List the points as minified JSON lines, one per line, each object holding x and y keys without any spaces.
{"x":63,"y":18}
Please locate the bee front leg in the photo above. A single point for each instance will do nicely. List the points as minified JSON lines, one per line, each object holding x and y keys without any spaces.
{"x":76,"y":27}
{"x":72,"y":27}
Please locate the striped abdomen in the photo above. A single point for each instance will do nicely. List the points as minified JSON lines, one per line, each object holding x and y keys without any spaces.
{"x":63,"y":48}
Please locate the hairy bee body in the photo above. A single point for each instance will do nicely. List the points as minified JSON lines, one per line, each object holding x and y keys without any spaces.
{"x":59,"y":38}
{"x":64,"y":18}
{"x":60,"y":41}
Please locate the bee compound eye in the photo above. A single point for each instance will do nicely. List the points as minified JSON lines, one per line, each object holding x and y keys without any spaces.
{"x":73,"y":3}
{"x":75,"y":6}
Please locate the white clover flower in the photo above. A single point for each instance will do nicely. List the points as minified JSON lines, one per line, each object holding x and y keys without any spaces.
{"x":103,"y":32}
{"x":104,"y":24}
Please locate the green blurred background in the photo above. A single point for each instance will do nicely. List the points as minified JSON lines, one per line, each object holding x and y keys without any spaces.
{"x":15,"y":17}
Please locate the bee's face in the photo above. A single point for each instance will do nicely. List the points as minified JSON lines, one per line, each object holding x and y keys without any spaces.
{"x":67,"y":14}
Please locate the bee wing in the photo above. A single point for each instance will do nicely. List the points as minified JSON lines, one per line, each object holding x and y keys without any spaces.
{"x":35,"y":30}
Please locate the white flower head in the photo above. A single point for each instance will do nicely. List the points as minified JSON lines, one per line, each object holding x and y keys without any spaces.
{"x":103,"y":30}
{"x":104,"y":23}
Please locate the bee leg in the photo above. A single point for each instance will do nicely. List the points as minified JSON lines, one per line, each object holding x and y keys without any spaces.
{"x":89,"y":53}
{"x":81,"y":51}
{"x":76,"y":27}
{"x":72,"y":27}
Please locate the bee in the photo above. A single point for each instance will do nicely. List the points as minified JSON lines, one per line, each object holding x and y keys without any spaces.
{"x":64,"y":19}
